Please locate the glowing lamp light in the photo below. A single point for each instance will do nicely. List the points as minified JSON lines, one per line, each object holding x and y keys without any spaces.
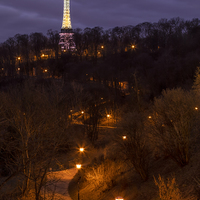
{"x":102,"y":46}
{"x":108,"y":116}
{"x":119,"y":198}
{"x":133,"y":46}
{"x":82,"y":112}
{"x":150,"y":117}
{"x":45,"y":70}
{"x":81,"y":149}
{"x":18,"y":58}
{"x":78,"y":166}
{"x":42,"y":55}
{"x":18,"y":69}
{"x":124,"y":137}
{"x":196,"y":108}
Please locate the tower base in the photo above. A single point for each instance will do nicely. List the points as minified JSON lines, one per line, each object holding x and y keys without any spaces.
{"x":66,"y":40}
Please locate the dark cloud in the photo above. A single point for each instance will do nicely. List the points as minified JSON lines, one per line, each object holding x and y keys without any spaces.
{"x":26,"y":16}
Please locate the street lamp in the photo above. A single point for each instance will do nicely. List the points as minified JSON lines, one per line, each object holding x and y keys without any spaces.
{"x":78,"y":166}
{"x":196,"y":108}
{"x":81,"y":149}
{"x":82,"y":112}
{"x":119,"y":198}
{"x":108,"y":117}
{"x":124,"y":137}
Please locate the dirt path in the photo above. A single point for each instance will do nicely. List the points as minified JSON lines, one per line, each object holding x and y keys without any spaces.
{"x":58,"y":184}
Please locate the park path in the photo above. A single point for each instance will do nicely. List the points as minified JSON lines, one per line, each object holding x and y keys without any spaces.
{"x":58,"y":183}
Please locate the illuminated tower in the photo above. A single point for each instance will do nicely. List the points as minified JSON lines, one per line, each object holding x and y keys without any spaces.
{"x":66,"y":24}
{"x":66,"y":35}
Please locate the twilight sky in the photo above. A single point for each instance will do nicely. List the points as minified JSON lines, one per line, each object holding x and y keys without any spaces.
{"x":28,"y":16}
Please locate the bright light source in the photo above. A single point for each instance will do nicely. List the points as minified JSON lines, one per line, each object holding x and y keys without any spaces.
{"x":18,"y":58}
{"x":82,"y":112}
{"x":196,"y":108}
{"x":133,"y":46}
{"x":78,"y":166}
{"x":102,"y":46}
{"x":150,"y":117}
{"x":124,"y":137}
{"x":81,"y":149}
{"x":108,"y":116}
{"x":119,"y":198}
{"x":18,"y":69}
{"x":45,"y":70}
{"x":42,"y":55}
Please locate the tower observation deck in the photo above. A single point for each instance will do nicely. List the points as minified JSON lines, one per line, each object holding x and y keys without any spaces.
{"x":66,"y":35}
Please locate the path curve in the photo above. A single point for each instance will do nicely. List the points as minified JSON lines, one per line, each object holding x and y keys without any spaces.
{"x":58,"y":183}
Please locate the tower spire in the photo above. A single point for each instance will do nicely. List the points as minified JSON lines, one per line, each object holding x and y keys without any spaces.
{"x":66,"y":23}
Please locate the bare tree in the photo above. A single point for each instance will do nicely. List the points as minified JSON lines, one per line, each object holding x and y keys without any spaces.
{"x":172,"y":124}
{"x":38,"y":121}
{"x":133,"y":143}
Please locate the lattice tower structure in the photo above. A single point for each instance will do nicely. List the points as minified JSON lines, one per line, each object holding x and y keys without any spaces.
{"x":66,"y":36}
{"x":66,"y":23}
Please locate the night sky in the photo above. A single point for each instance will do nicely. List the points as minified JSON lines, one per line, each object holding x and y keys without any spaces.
{"x":28,"y":16}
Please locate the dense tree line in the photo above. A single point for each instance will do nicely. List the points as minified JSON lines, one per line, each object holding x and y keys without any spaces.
{"x":160,"y":55}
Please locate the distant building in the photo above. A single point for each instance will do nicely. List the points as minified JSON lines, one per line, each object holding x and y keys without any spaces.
{"x":66,"y":36}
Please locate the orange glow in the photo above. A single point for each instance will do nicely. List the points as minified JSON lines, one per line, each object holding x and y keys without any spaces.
{"x":119,"y":198}
{"x":102,"y":46}
{"x":124,"y":137}
{"x":45,"y":70}
{"x":82,"y":112}
{"x":196,"y":108}
{"x":42,"y":55}
{"x":150,"y":117}
{"x":133,"y":46}
{"x":81,"y":149}
{"x":18,"y":58}
{"x":18,"y":69}
{"x":78,"y":166}
{"x":108,"y":116}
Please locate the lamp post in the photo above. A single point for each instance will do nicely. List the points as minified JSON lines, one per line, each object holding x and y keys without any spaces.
{"x":108,"y":117}
{"x":78,"y":166}
{"x":82,"y":112}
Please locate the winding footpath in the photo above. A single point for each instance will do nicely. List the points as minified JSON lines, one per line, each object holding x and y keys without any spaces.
{"x":58,"y":183}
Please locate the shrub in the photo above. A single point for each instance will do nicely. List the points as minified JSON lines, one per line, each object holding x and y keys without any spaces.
{"x":168,"y":190}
